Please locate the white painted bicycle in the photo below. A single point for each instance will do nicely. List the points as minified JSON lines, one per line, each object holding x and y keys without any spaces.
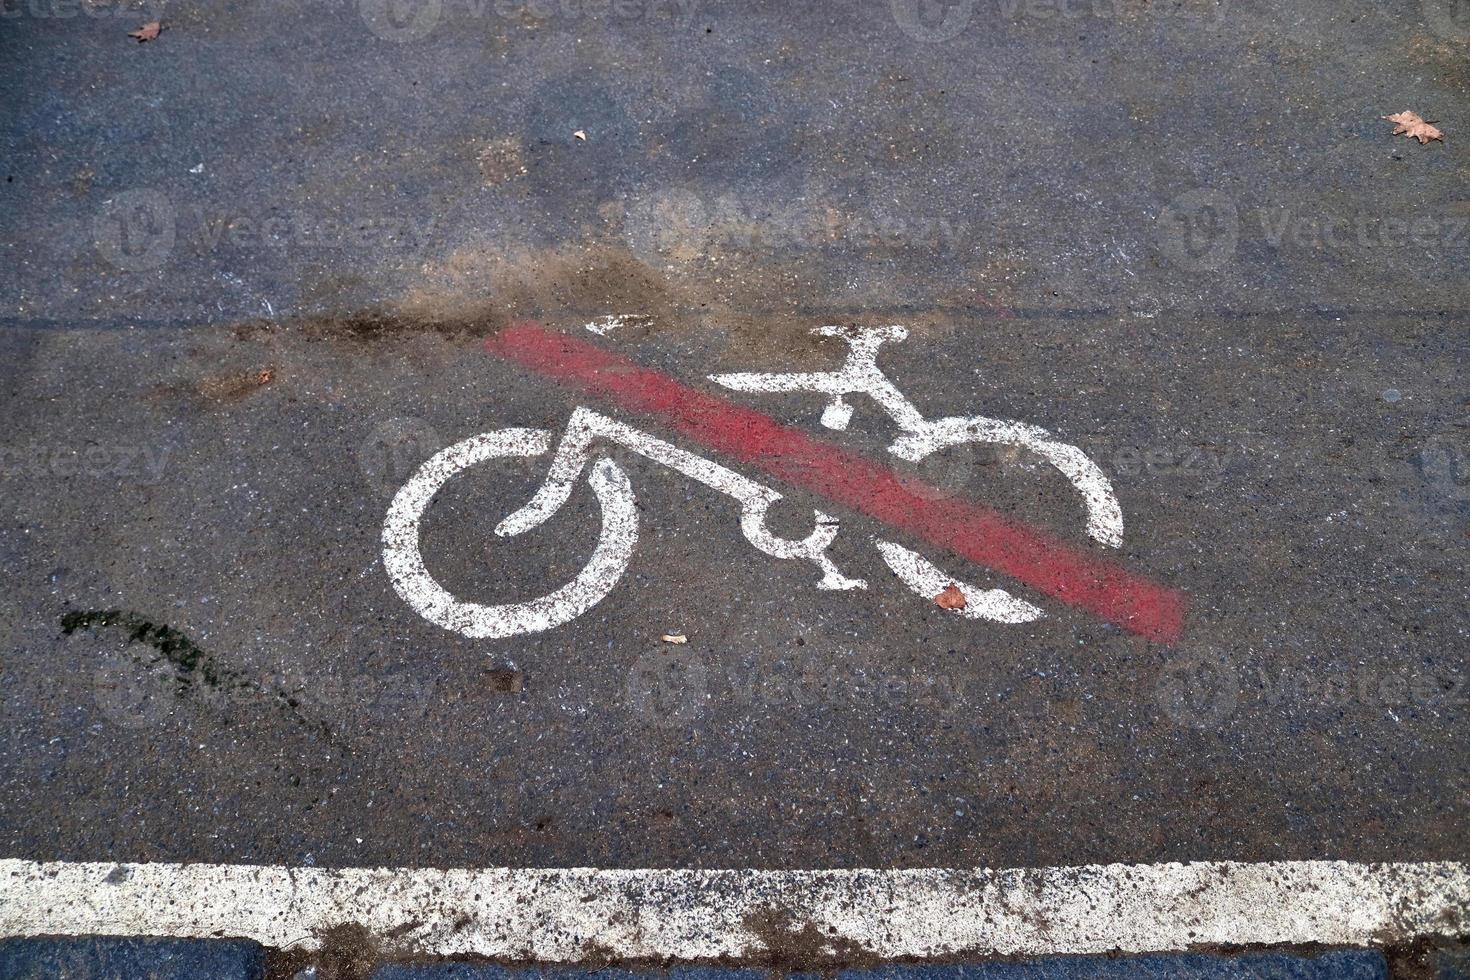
{"x":584,"y":448}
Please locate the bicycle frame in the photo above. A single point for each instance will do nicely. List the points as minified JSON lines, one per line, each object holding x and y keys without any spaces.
{"x":585,"y":427}
{"x":590,"y":434}
{"x":860,"y":375}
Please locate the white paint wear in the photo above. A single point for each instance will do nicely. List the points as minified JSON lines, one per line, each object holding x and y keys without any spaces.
{"x":575,"y":914}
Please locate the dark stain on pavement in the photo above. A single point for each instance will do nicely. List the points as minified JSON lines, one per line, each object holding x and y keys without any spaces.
{"x":348,"y":952}
{"x":193,"y":668}
{"x":1426,"y":958}
{"x":479,"y":289}
{"x":788,"y":945}
{"x":504,"y":681}
{"x":235,"y":385}
{"x":189,"y":661}
{"x":217,"y":390}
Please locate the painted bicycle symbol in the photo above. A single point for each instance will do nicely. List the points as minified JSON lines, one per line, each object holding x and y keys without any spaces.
{"x":585,"y":447}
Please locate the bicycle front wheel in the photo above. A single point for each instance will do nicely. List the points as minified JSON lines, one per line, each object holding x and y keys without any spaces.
{"x":411,"y":580}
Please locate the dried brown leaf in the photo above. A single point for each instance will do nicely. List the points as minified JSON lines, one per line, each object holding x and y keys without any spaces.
{"x":148,"y":32}
{"x":1409,"y":124}
{"x":950,"y":597}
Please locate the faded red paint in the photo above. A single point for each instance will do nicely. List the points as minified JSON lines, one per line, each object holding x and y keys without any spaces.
{"x":970,"y":530}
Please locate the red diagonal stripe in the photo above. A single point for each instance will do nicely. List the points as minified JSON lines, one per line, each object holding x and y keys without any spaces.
{"x":970,"y":530}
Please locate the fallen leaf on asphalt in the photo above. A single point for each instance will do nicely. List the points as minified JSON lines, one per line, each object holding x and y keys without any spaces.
{"x":950,"y":597}
{"x":581,"y":134}
{"x":674,"y":638}
{"x":1409,"y":124}
{"x":147,"y":32}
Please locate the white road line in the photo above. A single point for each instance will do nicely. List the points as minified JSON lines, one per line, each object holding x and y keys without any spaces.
{"x":605,"y":325}
{"x":572,"y":914}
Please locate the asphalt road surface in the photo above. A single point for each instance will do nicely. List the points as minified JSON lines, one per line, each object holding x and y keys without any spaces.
{"x":249,"y":270}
